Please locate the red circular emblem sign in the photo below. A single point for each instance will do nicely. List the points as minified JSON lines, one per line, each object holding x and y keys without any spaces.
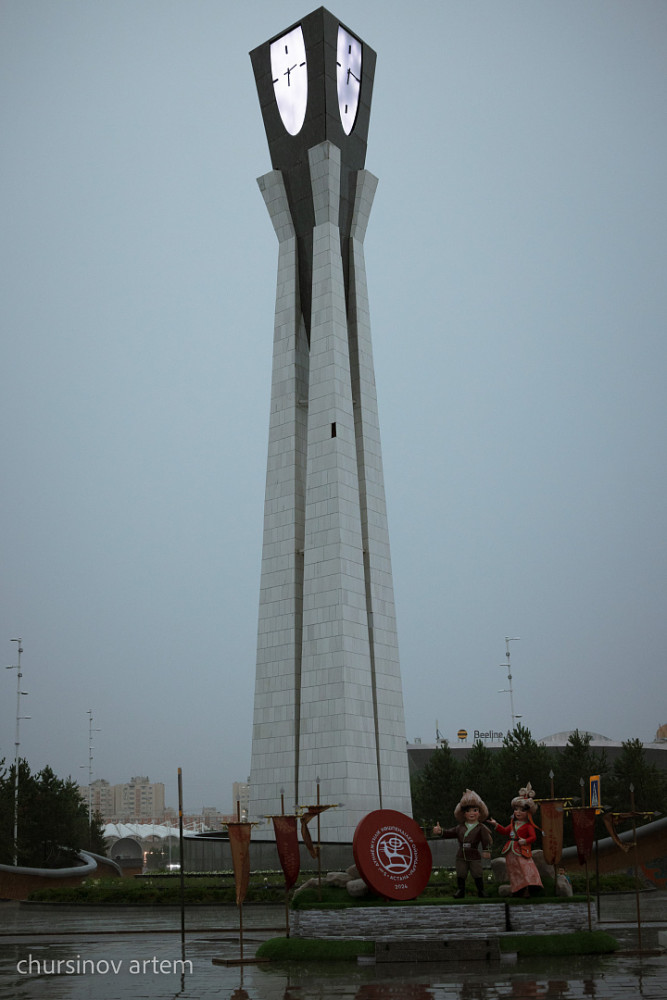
{"x":392,"y":855}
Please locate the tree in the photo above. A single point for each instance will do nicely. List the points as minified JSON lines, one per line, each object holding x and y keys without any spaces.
{"x":53,"y":824}
{"x":480,"y":772}
{"x":578,"y":760}
{"x":632,"y":768}
{"x":520,"y":760}
{"x":437,"y":789}
{"x":496,"y":776}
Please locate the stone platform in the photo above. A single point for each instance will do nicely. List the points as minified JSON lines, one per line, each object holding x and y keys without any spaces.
{"x":449,"y":922}
{"x":473,"y":949}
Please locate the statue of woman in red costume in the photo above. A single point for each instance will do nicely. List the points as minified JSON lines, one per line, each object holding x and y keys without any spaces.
{"x":521,"y":834}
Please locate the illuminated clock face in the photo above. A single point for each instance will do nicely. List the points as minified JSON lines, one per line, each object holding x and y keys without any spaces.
{"x":290,"y":78}
{"x":348,"y":74}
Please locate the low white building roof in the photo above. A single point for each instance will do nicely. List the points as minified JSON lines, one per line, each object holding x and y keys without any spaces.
{"x":139,"y":831}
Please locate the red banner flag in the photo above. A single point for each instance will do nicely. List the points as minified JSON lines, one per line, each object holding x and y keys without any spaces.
{"x":551,"y":816}
{"x":310,"y":813}
{"x":287,"y":843}
{"x":583,"y":821}
{"x":239,"y":841}
{"x":610,"y":820}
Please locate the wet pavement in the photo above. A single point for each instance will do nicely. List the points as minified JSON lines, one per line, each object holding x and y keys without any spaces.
{"x":72,"y":953}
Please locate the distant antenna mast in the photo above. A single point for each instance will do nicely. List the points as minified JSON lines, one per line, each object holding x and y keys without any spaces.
{"x":17,"y":744}
{"x":508,"y":690}
{"x":90,"y":773}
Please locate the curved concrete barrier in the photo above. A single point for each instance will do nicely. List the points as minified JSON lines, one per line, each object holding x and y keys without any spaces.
{"x":17,"y":882}
{"x":650,"y":856}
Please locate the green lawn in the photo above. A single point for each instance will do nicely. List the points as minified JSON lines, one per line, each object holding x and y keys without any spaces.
{"x":159,"y":889}
{"x":533,"y":945}
{"x":311,"y":949}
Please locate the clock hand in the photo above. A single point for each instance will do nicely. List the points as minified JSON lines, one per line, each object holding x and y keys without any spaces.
{"x":287,"y":73}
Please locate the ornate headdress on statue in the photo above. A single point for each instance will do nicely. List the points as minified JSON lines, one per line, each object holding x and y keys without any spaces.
{"x":468,"y":799}
{"x":525,"y":799}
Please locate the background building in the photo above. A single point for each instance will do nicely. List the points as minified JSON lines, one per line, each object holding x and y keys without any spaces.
{"x":420,"y":753}
{"x":240,"y":795}
{"x":137,"y":800}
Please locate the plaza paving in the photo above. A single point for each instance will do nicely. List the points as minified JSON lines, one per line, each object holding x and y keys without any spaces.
{"x":131,"y":954}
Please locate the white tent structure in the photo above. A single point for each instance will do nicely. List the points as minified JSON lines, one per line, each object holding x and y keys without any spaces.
{"x":133,"y":841}
{"x":139,"y":831}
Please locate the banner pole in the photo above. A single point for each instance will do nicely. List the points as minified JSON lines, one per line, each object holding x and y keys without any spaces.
{"x":634,"y":844}
{"x":241,"y":930}
{"x":588,"y":888}
{"x":598,"y":810}
{"x":238,"y":820}
{"x":597,"y":870}
{"x":182,"y":872}
{"x":282,"y":813}
{"x":319,"y":849}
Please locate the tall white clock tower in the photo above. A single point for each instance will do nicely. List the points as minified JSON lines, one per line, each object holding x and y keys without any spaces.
{"x":328,"y":698}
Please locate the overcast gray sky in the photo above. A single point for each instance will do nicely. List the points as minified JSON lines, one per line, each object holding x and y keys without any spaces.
{"x":516,"y":261}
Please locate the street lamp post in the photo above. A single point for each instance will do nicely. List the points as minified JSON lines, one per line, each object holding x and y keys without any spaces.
{"x":17,"y":743}
{"x":508,"y":640}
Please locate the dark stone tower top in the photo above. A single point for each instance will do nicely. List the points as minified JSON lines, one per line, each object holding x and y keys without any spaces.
{"x":318,"y":87}
{"x":323,"y":117}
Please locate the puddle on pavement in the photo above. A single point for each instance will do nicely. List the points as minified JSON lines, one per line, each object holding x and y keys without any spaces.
{"x":157,"y":975}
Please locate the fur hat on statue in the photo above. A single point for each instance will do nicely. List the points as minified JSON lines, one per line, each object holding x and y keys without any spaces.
{"x":468,"y":799}
{"x":525,"y":799}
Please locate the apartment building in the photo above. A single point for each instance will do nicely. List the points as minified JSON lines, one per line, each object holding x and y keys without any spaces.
{"x":135,"y":800}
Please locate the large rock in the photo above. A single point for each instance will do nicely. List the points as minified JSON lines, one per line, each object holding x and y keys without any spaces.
{"x":499,"y":870}
{"x":311,"y":883}
{"x":357,"y":888}
{"x":337,"y":878}
{"x":545,"y":870}
{"x":563,"y":885}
